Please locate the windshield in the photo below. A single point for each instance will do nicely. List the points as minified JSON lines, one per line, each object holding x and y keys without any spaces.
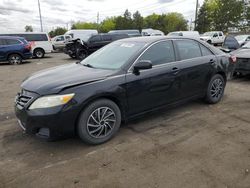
{"x":241,"y":37}
{"x":247,"y":45}
{"x":114,"y":55}
{"x":208,"y":34}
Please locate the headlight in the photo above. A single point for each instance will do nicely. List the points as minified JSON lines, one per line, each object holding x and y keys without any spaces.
{"x":51,"y":101}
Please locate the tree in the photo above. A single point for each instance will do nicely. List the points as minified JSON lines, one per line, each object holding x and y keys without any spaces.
{"x":28,"y":28}
{"x":137,"y":21}
{"x":107,"y":25}
{"x":220,"y":15}
{"x":124,"y":22}
{"x":57,"y":31}
{"x":84,"y":25}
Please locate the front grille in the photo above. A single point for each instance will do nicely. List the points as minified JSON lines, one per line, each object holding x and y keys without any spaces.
{"x":22,"y":100}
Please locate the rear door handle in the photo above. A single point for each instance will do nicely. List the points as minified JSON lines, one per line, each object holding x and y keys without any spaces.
{"x":212,"y":61}
{"x":175,"y":70}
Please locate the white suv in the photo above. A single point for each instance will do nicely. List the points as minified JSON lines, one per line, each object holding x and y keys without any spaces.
{"x":213,"y":37}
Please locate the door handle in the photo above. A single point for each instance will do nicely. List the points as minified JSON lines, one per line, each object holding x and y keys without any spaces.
{"x":175,"y":70}
{"x":212,"y":61}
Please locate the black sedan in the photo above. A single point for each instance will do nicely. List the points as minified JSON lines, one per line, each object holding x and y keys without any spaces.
{"x":242,"y":67}
{"x":123,"y":80}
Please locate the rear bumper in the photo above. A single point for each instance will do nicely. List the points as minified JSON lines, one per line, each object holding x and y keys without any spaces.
{"x":27,"y":55}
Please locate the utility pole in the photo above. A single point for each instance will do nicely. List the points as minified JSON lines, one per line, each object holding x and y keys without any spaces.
{"x":98,"y":18}
{"x":40,"y":15}
{"x":196,"y":13}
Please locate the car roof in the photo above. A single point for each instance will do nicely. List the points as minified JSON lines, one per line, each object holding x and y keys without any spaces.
{"x":153,"y":39}
{"x":10,"y":37}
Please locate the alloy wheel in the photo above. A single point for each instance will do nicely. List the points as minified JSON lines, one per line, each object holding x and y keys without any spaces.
{"x":217,"y":89}
{"x":15,"y":60}
{"x":101,"y":122}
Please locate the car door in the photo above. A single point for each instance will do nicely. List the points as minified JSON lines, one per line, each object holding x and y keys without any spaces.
{"x":157,"y":86}
{"x":95,"y":43}
{"x":3,"y":48}
{"x":195,"y":69}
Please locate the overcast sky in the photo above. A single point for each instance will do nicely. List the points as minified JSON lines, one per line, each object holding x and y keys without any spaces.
{"x":15,"y":14}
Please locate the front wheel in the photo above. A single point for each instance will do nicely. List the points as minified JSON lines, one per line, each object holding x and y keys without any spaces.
{"x":99,"y":122}
{"x":215,"y":90}
{"x":81,"y":54}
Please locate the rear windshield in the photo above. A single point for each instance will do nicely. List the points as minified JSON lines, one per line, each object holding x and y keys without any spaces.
{"x":30,"y":37}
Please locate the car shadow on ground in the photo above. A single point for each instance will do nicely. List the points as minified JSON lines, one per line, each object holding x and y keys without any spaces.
{"x":141,"y":124}
{"x":24,"y":62}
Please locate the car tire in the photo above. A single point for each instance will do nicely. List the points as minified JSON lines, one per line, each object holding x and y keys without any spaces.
{"x":39,"y":53}
{"x":215,"y":89}
{"x":99,"y":122}
{"x":209,"y":42}
{"x":15,"y":59}
{"x":81,"y":54}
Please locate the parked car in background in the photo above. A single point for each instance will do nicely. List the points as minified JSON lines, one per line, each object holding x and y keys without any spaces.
{"x":123,"y":80}
{"x":192,"y":34}
{"x":242,"y":67}
{"x":230,"y":44}
{"x":14,"y":49}
{"x":80,"y":49}
{"x":152,"y":32}
{"x":130,"y":33}
{"x":213,"y":37}
{"x":82,"y":34}
{"x":242,"y":39}
{"x":40,"y":42}
{"x":58,"y":42}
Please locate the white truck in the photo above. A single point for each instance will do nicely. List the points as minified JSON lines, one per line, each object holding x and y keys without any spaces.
{"x":213,"y":37}
{"x":59,"y":41}
{"x":83,"y":34}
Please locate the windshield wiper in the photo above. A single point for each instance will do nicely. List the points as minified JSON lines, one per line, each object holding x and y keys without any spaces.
{"x":88,"y":65}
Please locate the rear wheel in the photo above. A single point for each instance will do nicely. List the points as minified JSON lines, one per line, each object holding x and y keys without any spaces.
{"x":39,"y":53}
{"x":215,"y":90}
{"x":209,"y":42}
{"x":99,"y":122}
{"x":15,"y":59}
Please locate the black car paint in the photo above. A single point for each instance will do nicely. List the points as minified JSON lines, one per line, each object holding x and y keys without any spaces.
{"x":135,"y":94}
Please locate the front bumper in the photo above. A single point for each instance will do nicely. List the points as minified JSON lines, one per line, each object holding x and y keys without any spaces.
{"x":49,"y":123}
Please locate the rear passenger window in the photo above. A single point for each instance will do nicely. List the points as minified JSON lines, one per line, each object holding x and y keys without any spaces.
{"x":106,"y":38}
{"x":205,"y":51}
{"x":188,"y":49}
{"x":12,"y":41}
{"x":160,"y":53}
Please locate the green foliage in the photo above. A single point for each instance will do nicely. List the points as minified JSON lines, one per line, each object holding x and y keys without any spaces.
{"x":84,"y":25}
{"x":28,"y":28}
{"x":220,"y":15}
{"x":57,"y":31}
{"x":165,"y":22}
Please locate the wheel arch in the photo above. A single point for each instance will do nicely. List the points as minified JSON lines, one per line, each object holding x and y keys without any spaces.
{"x":110,"y":97}
{"x":38,"y":48}
{"x":11,"y":53}
{"x":223,"y":74}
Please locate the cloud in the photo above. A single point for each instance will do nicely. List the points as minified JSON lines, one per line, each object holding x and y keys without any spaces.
{"x":166,"y":1}
{"x":12,"y":8}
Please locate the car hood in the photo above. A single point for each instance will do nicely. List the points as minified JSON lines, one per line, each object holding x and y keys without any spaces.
{"x":205,"y":37}
{"x":242,"y":53}
{"x":53,"y":80}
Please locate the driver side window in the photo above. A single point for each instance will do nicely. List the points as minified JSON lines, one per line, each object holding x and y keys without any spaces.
{"x":160,"y":53}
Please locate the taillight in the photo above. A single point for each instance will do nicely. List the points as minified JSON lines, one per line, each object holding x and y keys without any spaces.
{"x":233,"y":58}
{"x":28,"y":47}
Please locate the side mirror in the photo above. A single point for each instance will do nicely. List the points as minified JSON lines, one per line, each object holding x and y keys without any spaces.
{"x":142,"y":65}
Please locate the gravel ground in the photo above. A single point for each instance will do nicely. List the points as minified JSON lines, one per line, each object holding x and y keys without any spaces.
{"x":193,"y":145}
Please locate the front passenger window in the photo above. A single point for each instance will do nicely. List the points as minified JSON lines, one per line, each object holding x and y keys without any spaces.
{"x":160,"y":53}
